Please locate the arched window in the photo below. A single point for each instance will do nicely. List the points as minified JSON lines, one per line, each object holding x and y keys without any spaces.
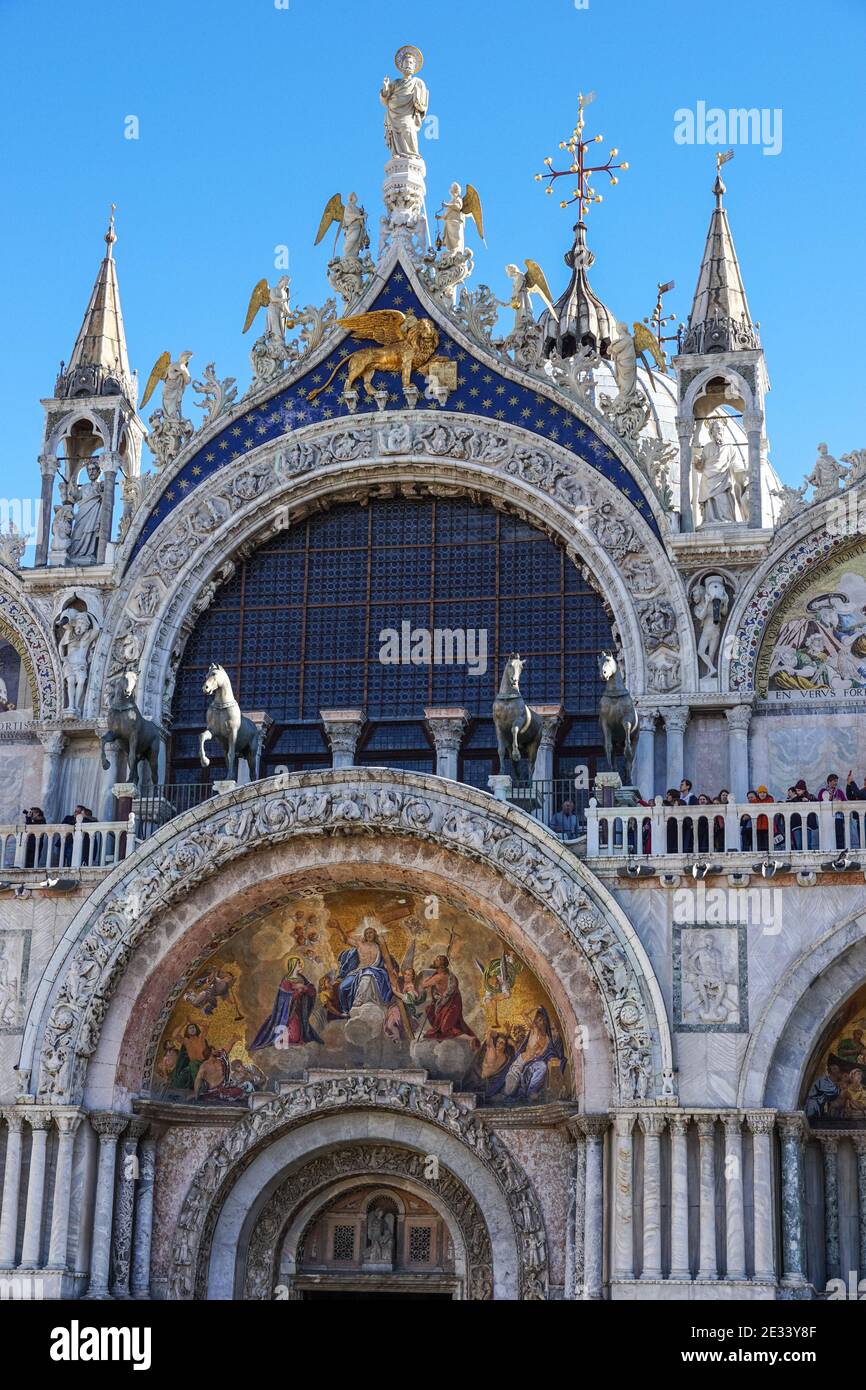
{"x":391,"y":608}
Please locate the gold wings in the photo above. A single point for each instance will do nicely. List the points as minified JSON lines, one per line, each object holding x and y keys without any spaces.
{"x":535,"y":281}
{"x":334,"y":211}
{"x":258,"y":300}
{"x":382,"y":325}
{"x":472,"y":208}
{"x":645,"y":341}
{"x":158,"y":373}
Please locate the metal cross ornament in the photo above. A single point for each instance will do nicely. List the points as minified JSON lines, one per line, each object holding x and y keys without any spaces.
{"x":577,"y":146}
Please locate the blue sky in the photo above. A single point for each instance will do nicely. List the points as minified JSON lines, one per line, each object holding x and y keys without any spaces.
{"x":251,"y":116}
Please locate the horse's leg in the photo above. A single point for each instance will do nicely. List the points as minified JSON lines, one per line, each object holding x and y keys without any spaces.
{"x":203,"y":738}
{"x":132,"y":758}
{"x":110,"y":737}
{"x":502,"y":749}
{"x":608,"y":746}
{"x":231,"y":757}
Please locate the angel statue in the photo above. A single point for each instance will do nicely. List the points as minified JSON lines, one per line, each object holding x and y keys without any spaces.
{"x":408,"y":345}
{"x":629,"y":409}
{"x":351,"y":220}
{"x":523,"y":285}
{"x":175,"y":378}
{"x":453,"y":215}
{"x":405,"y":100}
{"x":275,"y":299}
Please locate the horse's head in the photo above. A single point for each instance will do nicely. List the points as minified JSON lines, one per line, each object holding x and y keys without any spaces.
{"x":607,"y":665}
{"x":514,"y":669}
{"x":126,"y":683}
{"x":214,"y":679}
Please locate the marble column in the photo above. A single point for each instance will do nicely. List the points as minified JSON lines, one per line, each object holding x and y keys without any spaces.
{"x":124,"y":1206}
{"x":110,"y":465}
{"x":343,"y":729}
{"x":792,"y":1131}
{"x":675,"y":727}
{"x":594,"y":1128}
{"x":11,"y":1187}
{"x":31,"y":1250}
{"x":709,"y":1267}
{"x":67,"y":1124}
{"x":739,"y":717}
{"x":860,"y":1149}
{"x":447,"y":727}
{"x":53,"y":744}
{"x":109,"y":1128}
{"x":144,"y":1218}
{"x":761,"y":1124}
{"x":735,"y":1217}
{"x":623,"y":1178}
{"x":830,"y":1156}
{"x":754,"y":427}
{"x":652,"y":1124}
{"x":551,"y":718}
{"x":576,"y":1223}
{"x":679,"y":1128}
{"x":686,"y":431}
{"x":645,"y":760}
{"x":48,"y":466}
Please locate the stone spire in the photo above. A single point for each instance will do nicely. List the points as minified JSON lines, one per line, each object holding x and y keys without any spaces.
{"x":581,"y":319}
{"x":720,"y":320}
{"x":99,"y":365}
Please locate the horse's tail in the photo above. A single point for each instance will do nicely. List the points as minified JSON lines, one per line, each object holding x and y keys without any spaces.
{"x":325,"y":384}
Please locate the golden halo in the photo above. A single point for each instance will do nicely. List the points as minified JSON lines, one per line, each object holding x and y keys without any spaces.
{"x":409,"y":48}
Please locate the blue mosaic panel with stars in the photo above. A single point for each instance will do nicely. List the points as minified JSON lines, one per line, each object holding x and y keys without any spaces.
{"x":481,"y":391}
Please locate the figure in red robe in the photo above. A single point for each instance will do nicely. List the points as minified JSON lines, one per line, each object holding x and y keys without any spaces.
{"x":445,"y":1014}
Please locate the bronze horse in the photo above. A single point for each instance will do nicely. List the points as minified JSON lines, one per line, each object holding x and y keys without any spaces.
{"x":139,"y":738}
{"x":237,"y":736}
{"x":617,"y":716}
{"x":518,"y":728}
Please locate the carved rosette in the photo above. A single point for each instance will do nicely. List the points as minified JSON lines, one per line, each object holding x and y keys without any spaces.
{"x":338,"y":802}
{"x":198,"y":1215}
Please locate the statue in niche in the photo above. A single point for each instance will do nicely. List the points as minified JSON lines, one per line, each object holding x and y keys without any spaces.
{"x":79,"y":632}
{"x":718,"y":467}
{"x":83,"y":546}
{"x":710,"y":603}
{"x":380,"y":1236}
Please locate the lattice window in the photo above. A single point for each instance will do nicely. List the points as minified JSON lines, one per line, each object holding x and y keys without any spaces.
{"x":421,"y":1245}
{"x":298,"y":625}
{"x":343,"y":1243}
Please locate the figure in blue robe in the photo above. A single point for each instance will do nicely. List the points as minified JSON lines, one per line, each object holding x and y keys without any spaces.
{"x":289,"y":1023}
{"x":367,"y":980}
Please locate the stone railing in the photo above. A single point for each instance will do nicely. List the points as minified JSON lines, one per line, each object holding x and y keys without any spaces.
{"x":761,"y":828}
{"x":84,"y":845}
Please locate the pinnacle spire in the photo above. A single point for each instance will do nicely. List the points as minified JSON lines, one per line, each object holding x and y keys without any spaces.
{"x":720,"y":320}
{"x":580,"y":318}
{"x":99,"y":364}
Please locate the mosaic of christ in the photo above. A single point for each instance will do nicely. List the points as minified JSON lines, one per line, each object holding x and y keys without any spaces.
{"x":362,"y":978}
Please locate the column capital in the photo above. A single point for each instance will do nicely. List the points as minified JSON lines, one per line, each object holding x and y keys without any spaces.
{"x":343,"y":728}
{"x":14,"y":1118}
{"x":859,"y":1142}
{"x":829,"y":1142}
{"x":447,"y":725}
{"x":652,"y":1122}
{"x":647,"y":720}
{"x":52,"y":740}
{"x":108,"y":1125}
{"x":623,"y":1124}
{"x":551,"y":718}
{"x":136,"y":1129}
{"x":792,"y":1126}
{"x":706,"y":1125}
{"x":67,"y":1121}
{"x":48,"y":465}
{"x":679,"y":1124}
{"x":37,"y":1118}
{"x":739,"y":717}
{"x":590,"y":1126}
{"x":733,"y":1121}
{"x":676,"y":718}
{"x":761,"y":1121}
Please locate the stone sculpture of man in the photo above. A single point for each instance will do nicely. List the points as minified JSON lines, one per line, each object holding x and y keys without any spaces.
{"x":84,"y":541}
{"x":405,"y":100}
{"x":79,"y":635}
{"x":717,"y":464}
{"x":826,"y":476}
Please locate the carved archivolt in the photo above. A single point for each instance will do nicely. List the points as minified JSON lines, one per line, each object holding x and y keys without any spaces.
{"x":364,"y":1161}
{"x":231,"y":1155}
{"x":175,"y":575}
{"x":67,"y":1016}
{"x":20,"y":626}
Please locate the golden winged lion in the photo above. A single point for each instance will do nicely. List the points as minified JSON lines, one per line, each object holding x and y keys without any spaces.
{"x":408,"y":345}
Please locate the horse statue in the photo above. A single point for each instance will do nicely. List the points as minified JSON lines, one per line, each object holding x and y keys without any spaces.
{"x":617,"y":716}
{"x":139,"y":738}
{"x":237,"y":736}
{"x":518,"y":728}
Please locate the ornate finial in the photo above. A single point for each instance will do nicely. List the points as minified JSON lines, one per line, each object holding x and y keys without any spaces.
{"x":584,"y":194}
{"x":658,"y":321}
{"x":719,"y":188}
{"x":111,"y":235}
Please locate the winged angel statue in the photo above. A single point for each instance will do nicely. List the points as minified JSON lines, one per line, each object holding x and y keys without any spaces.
{"x":351,"y":220}
{"x":175,"y":378}
{"x":408,"y":344}
{"x":524,"y":284}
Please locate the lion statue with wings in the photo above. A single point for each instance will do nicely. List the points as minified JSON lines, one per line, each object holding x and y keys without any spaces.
{"x":408,"y":345}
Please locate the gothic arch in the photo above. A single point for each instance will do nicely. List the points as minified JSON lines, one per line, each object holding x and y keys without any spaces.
{"x":174,"y":576}
{"x":25,"y":629}
{"x":785,"y":1037}
{"x":244,"y":1168}
{"x":576,"y":927}
{"x":698,"y":384}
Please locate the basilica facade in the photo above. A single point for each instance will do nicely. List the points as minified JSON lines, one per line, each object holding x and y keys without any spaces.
{"x":343,"y":952}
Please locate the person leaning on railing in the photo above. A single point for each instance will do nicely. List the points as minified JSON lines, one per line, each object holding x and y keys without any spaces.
{"x":35,"y":816}
{"x":831,"y":791}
